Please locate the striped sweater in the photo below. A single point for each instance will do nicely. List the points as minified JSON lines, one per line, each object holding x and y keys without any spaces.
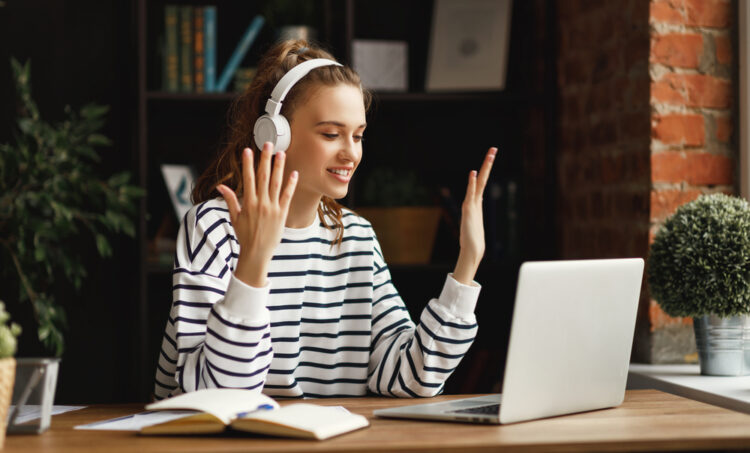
{"x":329,"y":322}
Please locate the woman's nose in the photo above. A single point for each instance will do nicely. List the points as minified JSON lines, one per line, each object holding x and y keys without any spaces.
{"x":350,"y":151}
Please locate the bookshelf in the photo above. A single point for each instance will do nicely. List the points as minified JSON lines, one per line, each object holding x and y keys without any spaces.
{"x":432,"y":138}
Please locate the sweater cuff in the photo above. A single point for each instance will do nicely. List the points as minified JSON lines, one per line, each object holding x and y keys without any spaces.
{"x":458,"y":298}
{"x":245,"y":301}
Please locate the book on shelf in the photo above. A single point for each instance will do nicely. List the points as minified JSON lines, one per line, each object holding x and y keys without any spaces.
{"x":170,"y":54}
{"x":190,"y":50}
{"x":209,"y":47}
{"x":186,"y":49}
{"x":219,"y":410}
{"x":239,"y":52}
{"x":199,"y":54}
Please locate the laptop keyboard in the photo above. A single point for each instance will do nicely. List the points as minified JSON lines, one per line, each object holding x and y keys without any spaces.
{"x":489,"y":410}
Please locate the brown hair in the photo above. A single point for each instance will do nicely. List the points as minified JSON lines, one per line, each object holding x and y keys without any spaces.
{"x":226,"y":167}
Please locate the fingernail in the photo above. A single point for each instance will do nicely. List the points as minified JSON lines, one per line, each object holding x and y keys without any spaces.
{"x":294,"y":174}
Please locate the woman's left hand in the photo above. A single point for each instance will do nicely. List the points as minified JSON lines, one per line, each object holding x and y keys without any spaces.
{"x":471,"y":239}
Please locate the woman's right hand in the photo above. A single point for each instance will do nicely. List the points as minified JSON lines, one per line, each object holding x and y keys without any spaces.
{"x":259,"y":220}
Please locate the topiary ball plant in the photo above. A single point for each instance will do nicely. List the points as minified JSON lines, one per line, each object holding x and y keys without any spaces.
{"x":8,"y":334}
{"x":700,"y":259}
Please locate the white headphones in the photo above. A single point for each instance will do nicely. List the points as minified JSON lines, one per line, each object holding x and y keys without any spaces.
{"x":273,"y":126}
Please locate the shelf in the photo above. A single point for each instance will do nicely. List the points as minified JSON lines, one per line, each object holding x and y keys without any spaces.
{"x":685,"y":380}
{"x":207,"y":97}
{"x":489,"y":97}
{"x":453,"y":96}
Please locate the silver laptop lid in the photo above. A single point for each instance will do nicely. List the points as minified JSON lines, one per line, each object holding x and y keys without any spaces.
{"x":571,"y":336}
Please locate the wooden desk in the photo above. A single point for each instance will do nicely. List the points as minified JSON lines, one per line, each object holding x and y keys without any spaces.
{"x":647,"y":420}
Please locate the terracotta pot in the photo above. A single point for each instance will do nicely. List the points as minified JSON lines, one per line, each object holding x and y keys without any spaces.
{"x":406,"y":233}
{"x":7,"y":376}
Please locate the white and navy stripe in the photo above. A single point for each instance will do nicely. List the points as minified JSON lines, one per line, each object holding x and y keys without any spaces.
{"x":329,"y":323}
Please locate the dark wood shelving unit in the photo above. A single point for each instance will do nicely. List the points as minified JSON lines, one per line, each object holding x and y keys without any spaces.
{"x":189,"y":97}
{"x":440,"y":135}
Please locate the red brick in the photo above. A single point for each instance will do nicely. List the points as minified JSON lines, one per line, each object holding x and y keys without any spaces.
{"x":665,"y":202}
{"x":687,"y":130}
{"x":723,"y":49}
{"x":665,"y":11}
{"x":708,"y":13}
{"x":663,"y":92}
{"x":677,"y":49}
{"x":723,"y":129}
{"x":692,"y":90}
{"x":693,"y":168}
{"x":659,"y":319}
{"x":698,"y":13}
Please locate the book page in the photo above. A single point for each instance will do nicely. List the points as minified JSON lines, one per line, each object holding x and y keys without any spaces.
{"x":224,"y":404}
{"x":302,"y":420}
{"x":135,"y":422}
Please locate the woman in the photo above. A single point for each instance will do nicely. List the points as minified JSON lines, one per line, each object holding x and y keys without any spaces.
{"x":277,"y":287}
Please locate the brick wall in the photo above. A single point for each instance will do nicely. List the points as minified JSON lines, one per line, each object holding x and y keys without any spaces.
{"x":691,"y":65}
{"x":645,"y":95}
{"x":603,"y":131}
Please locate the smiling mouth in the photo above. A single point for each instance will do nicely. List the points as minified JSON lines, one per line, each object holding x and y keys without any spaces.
{"x":340,"y":171}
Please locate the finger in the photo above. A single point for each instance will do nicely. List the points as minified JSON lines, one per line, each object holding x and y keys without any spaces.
{"x":264,"y":171}
{"x":276,"y":176}
{"x":286,"y":196}
{"x":484,"y":172}
{"x":471,"y":186}
{"x":248,"y":176}
{"x":231,"y":198}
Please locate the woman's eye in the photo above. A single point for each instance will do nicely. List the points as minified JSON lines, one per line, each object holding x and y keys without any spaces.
{"x":359,"y":138}
{"x":331,"y":136}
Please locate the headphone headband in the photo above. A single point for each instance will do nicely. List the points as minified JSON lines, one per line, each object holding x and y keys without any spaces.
{"x":273,"y":106}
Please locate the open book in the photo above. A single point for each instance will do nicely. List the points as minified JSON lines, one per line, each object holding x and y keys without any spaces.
{"x":246,"y":410}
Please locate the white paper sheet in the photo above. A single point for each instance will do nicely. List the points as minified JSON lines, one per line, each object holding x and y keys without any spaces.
{"x":136,"y":421}
{"x":30,"y":412}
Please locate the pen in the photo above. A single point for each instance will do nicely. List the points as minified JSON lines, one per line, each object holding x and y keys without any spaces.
{"x":262,"y":407}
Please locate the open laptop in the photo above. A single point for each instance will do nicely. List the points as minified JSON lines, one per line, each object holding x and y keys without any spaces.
{"x":569,"y":348}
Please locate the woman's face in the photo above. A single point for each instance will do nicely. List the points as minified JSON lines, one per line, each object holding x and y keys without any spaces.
{"x":326,"y":143}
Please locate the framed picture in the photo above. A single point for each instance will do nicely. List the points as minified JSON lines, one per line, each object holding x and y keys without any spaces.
{"x":382,"y":65}
{"x":469,"y":45}
{"x":179,"y":180}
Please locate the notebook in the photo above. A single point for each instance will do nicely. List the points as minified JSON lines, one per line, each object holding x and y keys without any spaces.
{"x":218,"y":410}
{"x":569,"y":349}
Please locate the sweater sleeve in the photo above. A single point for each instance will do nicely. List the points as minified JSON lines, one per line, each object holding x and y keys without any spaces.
{"x":218,"y":331}
{"x":413,"y":361}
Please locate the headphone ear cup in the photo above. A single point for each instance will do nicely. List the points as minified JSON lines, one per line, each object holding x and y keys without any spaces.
{"x":274,"y":129}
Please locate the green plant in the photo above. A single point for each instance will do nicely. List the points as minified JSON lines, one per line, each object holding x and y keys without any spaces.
{"x":50,"y":195}
{"x":388,"y":187}
{"x":8,"y":334}
{"x":700,"y":259}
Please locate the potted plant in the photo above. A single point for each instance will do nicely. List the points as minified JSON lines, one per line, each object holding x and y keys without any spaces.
{"x":8,"y":335}
{"x":699,"y":266}
{"x":398,"y":208}
{"x":51,"y":194}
